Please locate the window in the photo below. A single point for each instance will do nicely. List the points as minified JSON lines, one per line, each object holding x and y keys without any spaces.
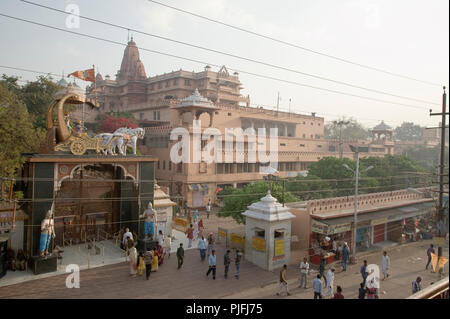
{"x":312,"y":123}
{"x":152,"y":87}
{"x":175,"y":82}
{"x":302,"y":145}
{"x":141,"y":116}
{"x":282,"y":144}
{"x":179,"y":167}
{"x":159,"y":85}
{"x":164,"y":164}
{"x":158,"y":164}
{"x":304,"y":135}
{"x":156,"y":115}
{"x":260,"y":233}
{"x":167,"y":84}
{"x":319,"y":146}
{"x":312,"y":136}
{"x":170,"y":165}
{"x":187,"y":82}
{"x":229,"y":114}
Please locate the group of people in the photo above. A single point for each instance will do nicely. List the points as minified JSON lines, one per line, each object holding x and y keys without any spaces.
{"x":206,"y":248}
{"x":148,"y":260}
{"x":187,"y":211}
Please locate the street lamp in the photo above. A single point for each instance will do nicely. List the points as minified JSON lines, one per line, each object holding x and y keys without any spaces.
{"x":356,"y":174}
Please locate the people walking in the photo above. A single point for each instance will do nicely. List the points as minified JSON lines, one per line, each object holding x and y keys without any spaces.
{"x":322,"y":268}
{"x":385,"y":264}
{"x":185,"y":208}
{"x":362,"y":291}
{"x":338,"y":294}
{"x":237,"y":262}
{"x":345,"y":256}
{"x":195,"y":215}
{"x":212,"y":260}
{"x":160,"y":238}
{"x":430,"y":251}
{"x":304,"y":268}
{"x":208,"y":208}
{"x":190,"y":235}
{"x":372,"y":291}
{"x":416,"y":285}
{"x":132,"y":254}
{"x":283,"y":281}
{"x":167,"y":245}
{"x":180,"y":255}
{"x":148,"y":259}
{"x":330,"y":283}
{"x":211,"y":242}
{"x":202,"y":247}
{"x":363,"y":271}
{"x":141,"y":263}
{"x":226,"y":263}
{"x":317,"y":287}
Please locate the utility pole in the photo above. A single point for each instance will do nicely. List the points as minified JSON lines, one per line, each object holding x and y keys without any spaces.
{"x":340,"y":123}
{"x":440,"y":208}
{"x":278,"y":102}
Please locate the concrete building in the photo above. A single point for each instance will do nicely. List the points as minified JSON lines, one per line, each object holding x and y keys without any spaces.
{"x":162,"y":103}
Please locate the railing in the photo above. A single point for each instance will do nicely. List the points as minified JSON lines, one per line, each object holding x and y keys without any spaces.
{"x":438,"y":290}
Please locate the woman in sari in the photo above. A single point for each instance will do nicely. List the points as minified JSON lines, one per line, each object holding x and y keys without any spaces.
{"x":155,"y":260}
{"x":133,"y":260}
{"x":160,"y":252}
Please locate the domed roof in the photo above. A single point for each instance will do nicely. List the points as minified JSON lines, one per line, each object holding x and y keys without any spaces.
{"x":268,"y":209}
{"x":196,"y":99}
{"x":62,"y":82}
{"x":98,"y":77}
{"x":382,"y":127}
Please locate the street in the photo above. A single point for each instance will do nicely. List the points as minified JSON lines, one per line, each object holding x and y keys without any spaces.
{"x":191,"y":281}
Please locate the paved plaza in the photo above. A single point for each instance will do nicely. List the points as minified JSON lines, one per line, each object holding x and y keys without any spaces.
{"x":113,"y":281}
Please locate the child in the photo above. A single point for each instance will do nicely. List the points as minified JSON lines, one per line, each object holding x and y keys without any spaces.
{"x":141,"y":263}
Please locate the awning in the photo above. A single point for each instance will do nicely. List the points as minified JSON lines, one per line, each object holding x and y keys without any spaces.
{"x":389,"y":214}
{"x":204,"y":186}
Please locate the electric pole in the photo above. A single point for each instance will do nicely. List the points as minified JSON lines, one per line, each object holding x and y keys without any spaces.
{"x":340,"y":123}
{"x":440,"y":208}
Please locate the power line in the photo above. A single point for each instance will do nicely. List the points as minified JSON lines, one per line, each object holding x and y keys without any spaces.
{"x":28,"y":70}
{"x":216,"y":65}
{"x":295,"y":45}
{"x":237,"y":57}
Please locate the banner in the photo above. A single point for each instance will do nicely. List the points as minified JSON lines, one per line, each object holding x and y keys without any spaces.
{"x":380,"y":221}
{"x":318,"y":227}
{"x":223,"y":234}
{"x":259,"y":244}
{"x":180,"y":222}
{"x":336,"y":229}
{"x":235,"y":238}
{"x":86,"y":75}
{"x":279,"y":247}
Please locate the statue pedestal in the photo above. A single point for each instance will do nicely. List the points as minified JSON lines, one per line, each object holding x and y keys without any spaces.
{"x":42,"y":265}
{"x":146,"y":244}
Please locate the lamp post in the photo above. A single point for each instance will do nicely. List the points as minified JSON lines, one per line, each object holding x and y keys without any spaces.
{"x":355,"y":214}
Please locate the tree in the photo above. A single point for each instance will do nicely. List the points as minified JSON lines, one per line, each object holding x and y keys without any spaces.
{"x":112,"y":123}
{"x":17,"y":134}
{"x":236,"y":200}
{"x":352,"y":130}
{"x":408,"y":131}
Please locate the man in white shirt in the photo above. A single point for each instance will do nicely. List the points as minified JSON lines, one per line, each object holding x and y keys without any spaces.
{"x":304,"y":268}
{"x":127,"y":235}
{"x":330,"y":283}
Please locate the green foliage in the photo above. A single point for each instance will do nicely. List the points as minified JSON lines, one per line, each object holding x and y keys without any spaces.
{"x":236,"y":200}
{"x":17,"y":133}
{"x":426,"y":157}
{"x":408,"y":131}
{"x":351,"y":131}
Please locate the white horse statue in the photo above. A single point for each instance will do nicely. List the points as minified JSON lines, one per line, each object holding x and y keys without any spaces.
{"x":130,"y":137}
{"x":116,"y":140}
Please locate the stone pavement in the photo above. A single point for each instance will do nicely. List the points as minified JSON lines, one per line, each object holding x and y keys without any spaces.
{"x":407,"y":263}
{"x":114,"y":281}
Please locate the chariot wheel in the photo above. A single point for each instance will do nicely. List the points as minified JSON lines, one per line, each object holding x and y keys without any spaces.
{"x":78,"y":148}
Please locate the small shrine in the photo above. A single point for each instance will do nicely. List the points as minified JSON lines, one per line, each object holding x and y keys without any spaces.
{"x":268,"y":233}
{"x":164,"y":210}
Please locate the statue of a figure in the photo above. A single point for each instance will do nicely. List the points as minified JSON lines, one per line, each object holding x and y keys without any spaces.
{"x":47,"y":233}
{"x":150,"y":221}
{"x":79,"y":128}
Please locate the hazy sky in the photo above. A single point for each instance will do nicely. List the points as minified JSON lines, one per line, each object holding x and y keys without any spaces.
{"x":409,"y":37}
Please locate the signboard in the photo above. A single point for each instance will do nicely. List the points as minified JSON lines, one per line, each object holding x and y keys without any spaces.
{"x":318,"y":227}
{"x":279,"y":247}
{"x":223,"y":234}
{"x":380,"y":221}
{"x":259,"y":244}
{"x":439,"y":241}
{"x":336,"y":229}
{"x":180,"y":222}
{"x":237,"y":239}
